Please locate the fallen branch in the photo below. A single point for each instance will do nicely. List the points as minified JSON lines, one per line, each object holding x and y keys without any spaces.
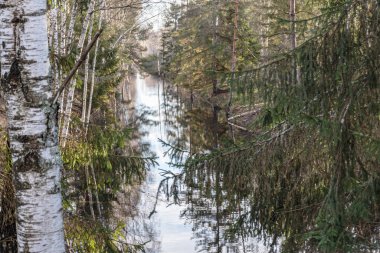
{"x":239,"y":127}
{"x":244,"y":114}
{"x":76,"y":66}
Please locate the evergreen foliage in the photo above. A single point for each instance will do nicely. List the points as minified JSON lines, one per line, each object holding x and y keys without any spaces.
{"x":310,"y":173}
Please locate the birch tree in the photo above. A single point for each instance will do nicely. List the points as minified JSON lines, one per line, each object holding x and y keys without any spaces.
{"x":87,"y":116}
{"x":32,"y":125}
{"x":71,"y":91}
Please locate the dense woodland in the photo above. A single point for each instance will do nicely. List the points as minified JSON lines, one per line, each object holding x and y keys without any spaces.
{"x":290,"y":153}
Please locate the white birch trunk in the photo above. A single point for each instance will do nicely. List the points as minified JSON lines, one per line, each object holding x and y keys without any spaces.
{"x":71,"y":92}
{"x":62,"y":51}
{"x":32,"y":125}
{"x":53,"y":43}
{"x":89,"y":192}
{"x":93,"y":70}
{"x":70,"y":31}
{"x":96,"y":191}
{"x":86,"y":69}
{"x":62,"y":27}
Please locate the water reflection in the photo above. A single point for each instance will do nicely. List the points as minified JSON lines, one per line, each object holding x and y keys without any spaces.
{"x":189,"y":217}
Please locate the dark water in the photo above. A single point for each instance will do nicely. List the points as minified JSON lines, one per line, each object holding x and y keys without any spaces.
{"x":186,"y":220}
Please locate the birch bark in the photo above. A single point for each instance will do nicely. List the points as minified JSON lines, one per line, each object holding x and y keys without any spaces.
{"x":32,"y":125}
{"x":70,"y":31}
{"x":87,"y":120}
{"x":86,"y":70}
{"x":71,"y":92}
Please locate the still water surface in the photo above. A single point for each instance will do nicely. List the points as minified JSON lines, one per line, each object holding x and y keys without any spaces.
{"x":184,"y":227}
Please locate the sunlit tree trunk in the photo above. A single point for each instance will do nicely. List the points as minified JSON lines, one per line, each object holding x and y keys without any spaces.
{"x":32,"y":125}
{"x":96,"y":191}
{"x":54,"y":45}
{"x":71,"y":92}
{"x":89,"y":106}
{"x":63,"y":13}
{"x":86,"y":70}
{"x":70,"y":31}
{"x":89,"y":192}
{"x":103,"y":4}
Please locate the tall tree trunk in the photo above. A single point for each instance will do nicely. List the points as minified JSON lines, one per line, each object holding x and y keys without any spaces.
{"x":264,"y":29}
{"x":71,"y":92}
{"x":94,"y":69}
{"x":32,"y":125}
{"x":233,"y":58}
{"x":96,"y":191}
{"x":234,"y":39}
{"x":292,"y":16}
{"x":89,"y":192}
{"x":293,"y":41}
{"x":86,"y":70}
{"x":215,"y":21}
{"x":54,"y":45}
{"x":70,"y":31}
{"x":63,"y":13}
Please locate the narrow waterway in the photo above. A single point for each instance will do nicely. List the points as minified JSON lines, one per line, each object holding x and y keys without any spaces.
{"x":191,"y":224}
{"x":172,"y":234}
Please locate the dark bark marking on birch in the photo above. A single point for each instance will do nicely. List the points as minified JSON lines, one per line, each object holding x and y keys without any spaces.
{"x":13,"y":77}
{"x":40,"y":12}
{"x":51,"y":132}
{"x":30,"y":162}
{"x":13,"y":128}
{"x":23,"y":61}
{"x":18,"y":20}
{"x":18,"y":117}
{"x":4,"y":6}
{"x":26,"y":248}
{"x":32,"y":141}
{"x":55,"y":190}
{"x":22,"y":185}
{"x":13,"y":80}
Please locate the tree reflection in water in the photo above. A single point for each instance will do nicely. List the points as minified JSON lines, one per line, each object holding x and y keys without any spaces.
{"x":236,"y":198}
{"x":192,"y":129}
{"x":231,"y":205}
